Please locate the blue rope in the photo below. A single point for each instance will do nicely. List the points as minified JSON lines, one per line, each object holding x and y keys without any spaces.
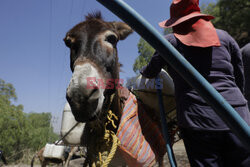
{"x":164,"y":125}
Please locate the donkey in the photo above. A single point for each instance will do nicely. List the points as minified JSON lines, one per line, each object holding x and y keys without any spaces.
{"x":94,"y":86}
{"x":45,"y":161}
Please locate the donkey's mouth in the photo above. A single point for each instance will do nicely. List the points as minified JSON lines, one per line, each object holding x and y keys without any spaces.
{"x":86,"y":114}
{"x":83,"y":118}
{"x":84,"y":111}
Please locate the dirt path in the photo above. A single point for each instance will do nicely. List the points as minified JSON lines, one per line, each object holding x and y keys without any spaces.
{"x":180,"y":155}
{"x":179,"y":151}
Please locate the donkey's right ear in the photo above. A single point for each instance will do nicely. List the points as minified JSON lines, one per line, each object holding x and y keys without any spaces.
{"x":123,"y":29}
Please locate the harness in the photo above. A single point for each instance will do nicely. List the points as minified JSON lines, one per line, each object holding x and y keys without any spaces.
{"x":106,"y":146}
{"x":103,"y":151}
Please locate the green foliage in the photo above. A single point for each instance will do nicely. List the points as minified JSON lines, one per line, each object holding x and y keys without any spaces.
{"x":167,"y":31}
{"x":233,"y":17}
{"x":20,"y":131}
{"x":13,"y":129}
{"x":145,"y":53}
{"x":7,"y":90}
{"x":40,"y":132}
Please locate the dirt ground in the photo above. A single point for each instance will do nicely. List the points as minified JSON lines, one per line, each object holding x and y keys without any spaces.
{"x":179,"y":151}
{"x":180,"y":155}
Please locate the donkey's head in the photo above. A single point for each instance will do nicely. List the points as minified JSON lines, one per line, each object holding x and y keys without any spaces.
{"x":94,"y":62}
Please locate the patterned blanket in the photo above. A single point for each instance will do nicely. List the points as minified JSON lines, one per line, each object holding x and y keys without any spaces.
{"x":142,"y":142}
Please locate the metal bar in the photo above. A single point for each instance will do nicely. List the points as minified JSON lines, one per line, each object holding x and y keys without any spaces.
{"x":238,"y":126}
{"x":164,"y":125}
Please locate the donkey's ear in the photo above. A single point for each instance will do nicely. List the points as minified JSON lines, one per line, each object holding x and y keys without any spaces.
{"x":123,"y":29}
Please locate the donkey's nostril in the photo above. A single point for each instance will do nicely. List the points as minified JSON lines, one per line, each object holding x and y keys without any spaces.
{"x":95,"y":93}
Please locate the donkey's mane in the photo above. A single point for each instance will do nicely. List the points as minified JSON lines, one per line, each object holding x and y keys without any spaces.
{"x":94,"y":15}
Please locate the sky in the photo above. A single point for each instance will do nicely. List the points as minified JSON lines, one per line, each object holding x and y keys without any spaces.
{"x":33,"y":56}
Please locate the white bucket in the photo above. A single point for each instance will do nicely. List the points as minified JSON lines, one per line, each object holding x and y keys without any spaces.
{"x":53,"y":151}
{"x":68,"y":121}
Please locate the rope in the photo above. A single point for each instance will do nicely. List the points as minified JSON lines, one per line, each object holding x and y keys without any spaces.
{"x":56,"y":143}
{"x":115,"y":143}
{"x":115,"y":140}
{"x":109,"y":141}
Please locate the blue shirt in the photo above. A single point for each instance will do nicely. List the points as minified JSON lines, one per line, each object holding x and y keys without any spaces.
{"x":221,"y":66}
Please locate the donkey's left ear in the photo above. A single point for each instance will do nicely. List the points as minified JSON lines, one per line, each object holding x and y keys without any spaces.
{"x":123,"y":29}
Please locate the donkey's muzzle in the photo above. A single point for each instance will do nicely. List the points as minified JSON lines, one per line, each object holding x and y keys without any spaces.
{"x":84,"y":97}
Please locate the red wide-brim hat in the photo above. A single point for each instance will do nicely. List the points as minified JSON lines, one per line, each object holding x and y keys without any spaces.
{"x":177,"y":20}
{"x":200,"y":33}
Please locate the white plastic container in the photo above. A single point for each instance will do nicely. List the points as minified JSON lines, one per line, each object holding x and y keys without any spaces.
{"x":68,"y":121}
{"x":146,"y":89}
{"x":53,"y":151}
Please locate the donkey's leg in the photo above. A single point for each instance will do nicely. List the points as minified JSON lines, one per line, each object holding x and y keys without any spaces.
{"x":73,"y":150}
{"x":44,"y":163}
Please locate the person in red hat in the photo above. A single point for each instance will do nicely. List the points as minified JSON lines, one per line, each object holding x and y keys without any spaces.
{"x":214,"y":53}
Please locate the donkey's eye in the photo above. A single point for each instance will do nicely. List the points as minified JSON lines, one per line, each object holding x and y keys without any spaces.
{"x":111,"y":39}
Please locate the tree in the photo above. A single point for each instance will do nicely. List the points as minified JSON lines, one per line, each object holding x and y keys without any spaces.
{"x":12,"y":120}
{"x":41,"y":132}
{"x":7,"y":90}
{"x":233,"y":17}
{"x":145,"y":53}
{"x":19,"y":130}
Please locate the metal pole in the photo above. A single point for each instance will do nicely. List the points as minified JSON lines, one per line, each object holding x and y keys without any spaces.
{"x":164,"y":125}
{"x":182,"y":66}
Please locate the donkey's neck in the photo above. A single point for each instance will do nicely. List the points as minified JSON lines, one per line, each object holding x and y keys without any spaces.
{"x":96,"y":129}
